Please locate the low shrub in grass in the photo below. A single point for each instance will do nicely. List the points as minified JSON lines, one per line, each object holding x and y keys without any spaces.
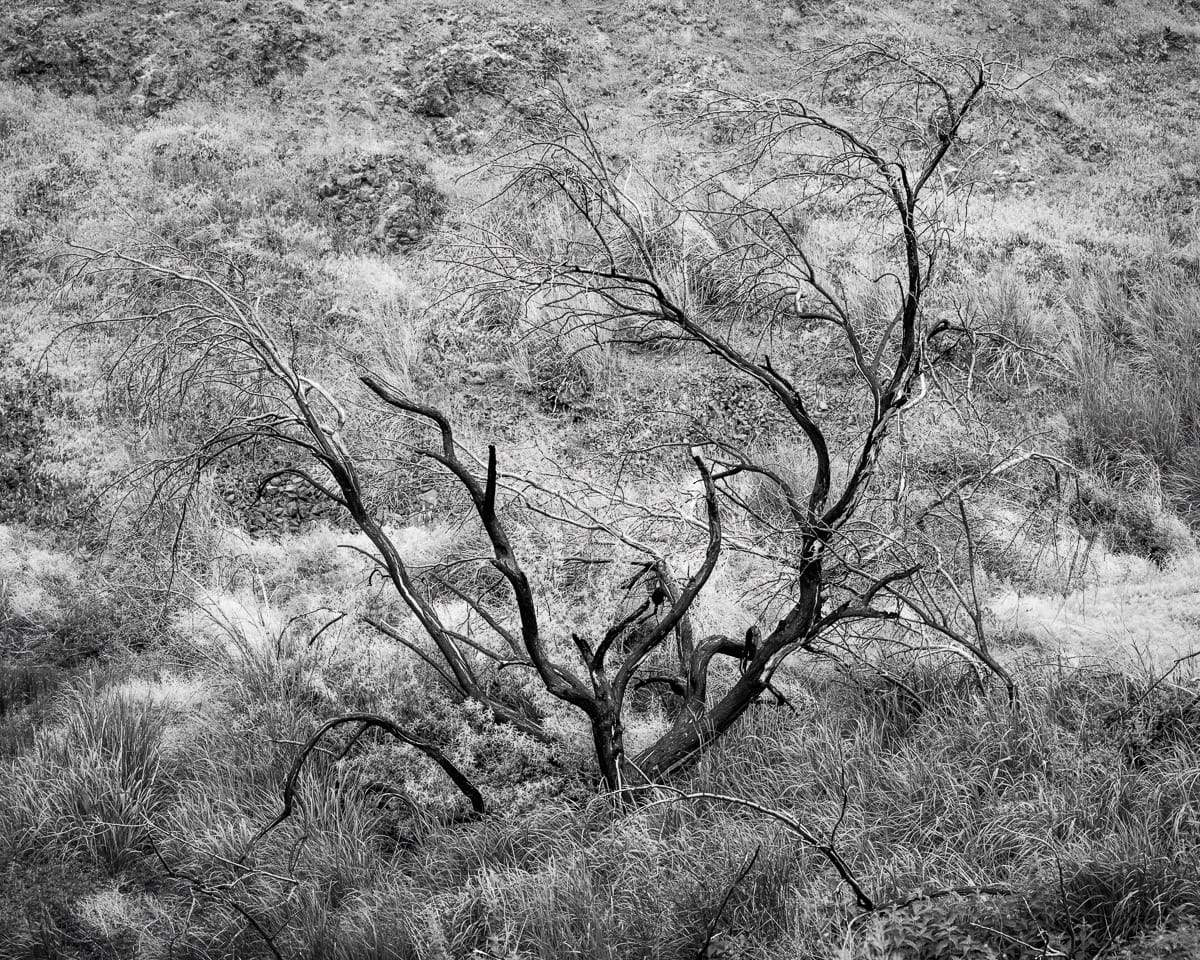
{"x":1129,"y":522}
{"x":38,"y":909}
{"x":1086,"y":911}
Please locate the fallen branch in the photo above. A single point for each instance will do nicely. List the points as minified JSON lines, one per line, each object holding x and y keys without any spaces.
{"x":199,"y":886}
{"x":825,"y":849}
{"x":996,"y":890}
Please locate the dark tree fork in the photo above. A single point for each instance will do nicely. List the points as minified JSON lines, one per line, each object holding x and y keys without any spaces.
{"x":612,"y":279}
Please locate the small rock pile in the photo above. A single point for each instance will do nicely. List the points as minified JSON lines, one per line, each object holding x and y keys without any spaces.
{"x":382,"y":201}
{"x":288,"y":504}
{"x":433,"y":99}
{"x":738,"y":412}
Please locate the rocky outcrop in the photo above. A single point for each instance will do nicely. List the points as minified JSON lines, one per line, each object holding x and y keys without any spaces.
{"x":153,"y":58}
{"x":383,"y":201}
{"x":286,"y":504}
{"x":490,"y":60}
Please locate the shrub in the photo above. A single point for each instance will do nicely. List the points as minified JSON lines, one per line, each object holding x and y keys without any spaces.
{"x":926,"y":930}
{"x":55,"y":455}
{"x":56,"y":612}
{"x":1181,"y":943}
{"x":28,"y":398}
{"x":1129,"y":523}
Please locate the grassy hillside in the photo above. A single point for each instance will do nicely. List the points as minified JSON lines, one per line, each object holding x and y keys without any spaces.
{"x":169,"y":640}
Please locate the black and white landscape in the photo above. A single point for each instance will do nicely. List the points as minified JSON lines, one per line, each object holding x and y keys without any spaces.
{"x":621,"y":480}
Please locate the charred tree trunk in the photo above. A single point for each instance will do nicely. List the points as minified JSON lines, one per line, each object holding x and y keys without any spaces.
{"x":697,"y":728}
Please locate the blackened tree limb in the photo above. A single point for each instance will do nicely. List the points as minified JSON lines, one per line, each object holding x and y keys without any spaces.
{"x":366,"y":721}
{"x":559,"y":681}
{"x":691,"y":589}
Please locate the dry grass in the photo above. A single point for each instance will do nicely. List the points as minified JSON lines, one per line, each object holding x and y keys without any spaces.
{"x":1070,"y":803}
{"x":1134,"y":352}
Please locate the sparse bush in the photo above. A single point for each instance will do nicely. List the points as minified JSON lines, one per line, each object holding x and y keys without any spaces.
{"x":608,"y":273}
{"x":921,"y":775}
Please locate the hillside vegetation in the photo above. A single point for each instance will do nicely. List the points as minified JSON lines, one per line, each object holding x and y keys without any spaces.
{"x":326,"y":341}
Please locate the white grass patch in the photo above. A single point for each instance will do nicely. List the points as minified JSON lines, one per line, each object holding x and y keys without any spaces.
{"x":286,"y":559}
{"x":236,"y":625}
{"x":256,"y":645}
{"x":720,"y":607}
{"x":169,"y":690}
{"x":110,"y":912}
{"x":1132,"y":612}
{"x":644,"y":730}
{"x":371,"y":278}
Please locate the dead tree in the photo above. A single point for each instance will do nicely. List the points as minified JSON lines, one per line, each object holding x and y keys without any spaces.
{"x":889,"y":172}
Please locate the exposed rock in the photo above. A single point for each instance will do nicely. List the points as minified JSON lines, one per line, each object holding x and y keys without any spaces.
{"x":382,"y":200}
{"x":151,"y":58}
{"x":433,"y":99}
{"x":285,"y":504}
{"x":488,"y":58}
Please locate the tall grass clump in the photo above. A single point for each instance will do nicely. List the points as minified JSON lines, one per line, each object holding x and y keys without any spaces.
{"x":89,"y":783}
{"x":1135,"y":350}
{"x":1014,"y":334}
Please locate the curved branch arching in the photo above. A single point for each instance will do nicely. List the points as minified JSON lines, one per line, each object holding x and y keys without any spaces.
{"x":366,"y":721}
